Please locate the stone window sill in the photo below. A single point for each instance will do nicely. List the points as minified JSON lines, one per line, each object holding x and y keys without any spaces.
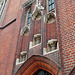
{"x":50,"y":52}
{"x":20,"y":63}
{"x":35,"y":45}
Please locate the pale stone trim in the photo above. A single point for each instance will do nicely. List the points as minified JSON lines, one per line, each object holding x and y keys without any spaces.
{"x":50,"y":42}
{"x":47,"y":7}
{"x":27,"y":16}
{"x":17,"y":62}
{"x":23,"y":52}
{"x":45,"y":53}
{"x":37,"y":13}
{"x":31,"y":45}
{"x":37,"y":35}
{"x":27,"y":3}
{"x":26,"y":25}
{"x":25,"y":30}
{"x":50,"y":17}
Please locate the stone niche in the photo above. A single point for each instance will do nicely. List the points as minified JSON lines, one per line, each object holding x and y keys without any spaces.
{"x":50,"y":17}
{"x":22,"y":58}
{"x":52,"y":45}
{"x":37,"y":39}
{"x":37,"y":13}
{"x":25,"y":31}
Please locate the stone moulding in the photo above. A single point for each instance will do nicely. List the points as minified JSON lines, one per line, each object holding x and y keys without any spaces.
{"x":37,"y":13}
{"x":25,"y":30}
{"x":50,"y":17}
{"x":27,"y":3}
{"x":52,"y":41}
{"x":23,"y":52}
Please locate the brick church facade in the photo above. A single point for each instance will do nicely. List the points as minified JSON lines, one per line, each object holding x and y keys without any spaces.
{"x":37,"y":37}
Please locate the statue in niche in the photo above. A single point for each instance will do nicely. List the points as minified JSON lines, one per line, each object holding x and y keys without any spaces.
{"x":25,"y":30}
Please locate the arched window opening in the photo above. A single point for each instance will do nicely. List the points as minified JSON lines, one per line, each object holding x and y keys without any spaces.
{"x":50,"y":17}
{"x":41,"y":72}
{"x":51,"y":5}
{"x":29,"y":16}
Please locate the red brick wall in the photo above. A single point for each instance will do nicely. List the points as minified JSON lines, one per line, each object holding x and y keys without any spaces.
{"x":63,"y":30}
{"x":11,"y":11}
{"x":66,"y":33}
{"x":8,"y":42}
{"x":36,"y":27}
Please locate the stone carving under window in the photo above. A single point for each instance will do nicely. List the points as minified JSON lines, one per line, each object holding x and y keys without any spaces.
{"x":25,"y":30}
{"x":22,"y":58}
{"x":37,"y":39}
{"x":50,"y":17}
{"x":37,"y":13}
{"x":52,"y":45}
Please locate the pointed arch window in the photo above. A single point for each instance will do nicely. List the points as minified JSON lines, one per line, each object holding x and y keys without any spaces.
{"x":51,"y":5}
{"x":29,"y":16}
{"x":41,"y":72}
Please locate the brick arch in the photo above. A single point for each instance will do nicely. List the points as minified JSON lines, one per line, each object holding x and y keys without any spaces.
{"x":38,"y":62}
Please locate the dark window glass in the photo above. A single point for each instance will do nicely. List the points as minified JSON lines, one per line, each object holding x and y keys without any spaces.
{"x":29,"y":16}
{"x":41,"y":72}
{"x":51,"y":5}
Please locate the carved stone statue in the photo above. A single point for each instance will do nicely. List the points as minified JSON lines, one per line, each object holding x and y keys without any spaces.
{"x":37,"y":13}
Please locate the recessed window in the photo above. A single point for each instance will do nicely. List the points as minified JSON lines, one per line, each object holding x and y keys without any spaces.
{"x":25,"y":31}
{"x":51,"y":46}
{"x":23,"y":56}
{"x":29,"y":16}
{"x":37,"y":39}
{"x":51,"y":5}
